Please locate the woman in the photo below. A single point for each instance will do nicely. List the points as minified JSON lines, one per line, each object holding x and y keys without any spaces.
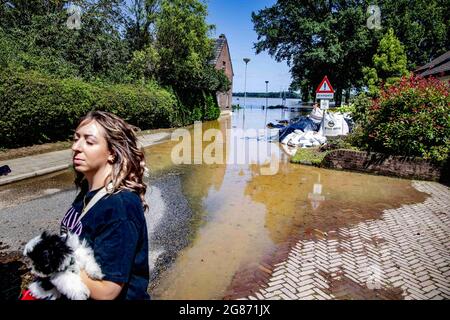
{"x":106,"y":158}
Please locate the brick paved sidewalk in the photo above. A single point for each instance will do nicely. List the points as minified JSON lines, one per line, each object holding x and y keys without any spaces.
{"x":403,"y":255}
{"x":31,"y":166}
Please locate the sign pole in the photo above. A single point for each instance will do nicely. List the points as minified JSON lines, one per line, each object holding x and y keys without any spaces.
{"x":324,"y":92}
{"x":322,"y":125}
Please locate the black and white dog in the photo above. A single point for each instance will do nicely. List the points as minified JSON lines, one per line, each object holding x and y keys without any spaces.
{"x":56,"y":261}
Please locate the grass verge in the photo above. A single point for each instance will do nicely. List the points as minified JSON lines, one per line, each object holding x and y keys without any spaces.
{"x":310,"y":156}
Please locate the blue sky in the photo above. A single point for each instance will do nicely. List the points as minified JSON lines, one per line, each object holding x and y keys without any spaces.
{"x":233,"y":18}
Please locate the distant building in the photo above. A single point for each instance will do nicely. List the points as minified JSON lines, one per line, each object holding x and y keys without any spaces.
{"x":438,"y":68}
{"x":222,"y":61}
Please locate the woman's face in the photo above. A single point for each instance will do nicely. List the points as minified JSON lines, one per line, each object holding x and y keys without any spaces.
{"x":90,"y":148}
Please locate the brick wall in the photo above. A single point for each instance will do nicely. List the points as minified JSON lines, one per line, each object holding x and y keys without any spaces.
{"x":224,"y":99}
{"x":378,"y":163}
{"x":224,"y":63}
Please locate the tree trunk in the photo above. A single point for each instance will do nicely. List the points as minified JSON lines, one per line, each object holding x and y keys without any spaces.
{"x":338,"y":97}
{"x":347,"y":96}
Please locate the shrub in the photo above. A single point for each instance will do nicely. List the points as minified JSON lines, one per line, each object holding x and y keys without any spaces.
{"x":212,"y":110}
{"x":198,"y":105}
{"x":344,"y":108}
{"x":410,"y":118}
{"x":37,"y":109}
{"x":341,"y":142}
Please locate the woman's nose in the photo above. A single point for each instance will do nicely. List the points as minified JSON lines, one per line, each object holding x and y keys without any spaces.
{"x":76,"y":146}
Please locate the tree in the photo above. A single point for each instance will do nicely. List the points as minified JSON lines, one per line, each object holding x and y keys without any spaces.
{"x":331,"y":37}
{"x":19,"y":13}
{"x":164,"y":41}
{"x":140,"y":23}
{"x":45,"y":43}
{"x":317,"y":39}
{"x":182,"y":39}
{"x":421,"y":25}
{"x":389,"y":63}
{"x":145,"y":63}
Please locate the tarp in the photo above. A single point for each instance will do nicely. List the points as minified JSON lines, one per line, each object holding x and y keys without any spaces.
{"x":304,"y":124}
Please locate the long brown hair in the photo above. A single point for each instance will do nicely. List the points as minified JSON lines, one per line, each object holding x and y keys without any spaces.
{"x":129,"y":160}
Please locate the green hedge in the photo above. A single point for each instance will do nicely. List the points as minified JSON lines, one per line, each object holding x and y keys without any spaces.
{"x":409,"y":118}
{"x":212,"y":109}
{"x":199,"y":105}
{"x":37,"y":109}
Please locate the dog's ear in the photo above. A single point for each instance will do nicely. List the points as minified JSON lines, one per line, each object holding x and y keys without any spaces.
{"x":45,"y":235}
{"x":31,"y":244}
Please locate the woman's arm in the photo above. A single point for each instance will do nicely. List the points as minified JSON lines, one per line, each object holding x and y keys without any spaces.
{"x":101,"y":289}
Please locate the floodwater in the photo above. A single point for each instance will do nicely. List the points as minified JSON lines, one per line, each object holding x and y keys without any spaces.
{"x":244,"y":214}
{"x":244,"y":211}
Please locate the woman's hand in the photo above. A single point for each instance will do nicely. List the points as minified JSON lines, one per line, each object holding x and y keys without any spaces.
{"x":101,"y":289}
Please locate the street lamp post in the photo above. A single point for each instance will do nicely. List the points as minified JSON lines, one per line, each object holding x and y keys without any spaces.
{"x":265,"y":119}
{"x":267,"y":83}
{"x":246,"y":60}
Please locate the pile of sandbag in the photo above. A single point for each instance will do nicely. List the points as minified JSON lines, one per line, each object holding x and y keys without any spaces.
{"x":312,"y":131}
{"x":334,"y":124}
{"x":302,"y":139}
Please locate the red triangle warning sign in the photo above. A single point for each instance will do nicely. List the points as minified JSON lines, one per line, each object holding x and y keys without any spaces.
{"x":325,"y":86}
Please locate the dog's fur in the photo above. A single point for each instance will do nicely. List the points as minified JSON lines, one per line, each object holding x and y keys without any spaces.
{"x":56,"y":261}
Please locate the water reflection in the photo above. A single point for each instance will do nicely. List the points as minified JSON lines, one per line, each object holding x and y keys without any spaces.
{"x":26,"y":190}
{"x":243,"y":215}
{"x":316,"y":196}
{"x":340,"y":198}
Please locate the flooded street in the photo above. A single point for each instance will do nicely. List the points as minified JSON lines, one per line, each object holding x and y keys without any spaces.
{"x":239,"y":216}
{"x":242,"y":216}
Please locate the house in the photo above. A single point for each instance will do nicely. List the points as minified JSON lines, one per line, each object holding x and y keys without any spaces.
{"x":222,"y":61}
{"x":438,"y":68}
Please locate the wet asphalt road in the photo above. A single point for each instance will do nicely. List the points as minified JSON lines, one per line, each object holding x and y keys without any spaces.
{"x":168,"y":221}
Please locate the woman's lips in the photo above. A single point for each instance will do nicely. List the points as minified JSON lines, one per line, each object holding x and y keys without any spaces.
{"x":77,"y":161}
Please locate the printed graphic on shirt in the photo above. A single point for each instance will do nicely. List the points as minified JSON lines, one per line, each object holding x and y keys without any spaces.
{"x":71,"y":222}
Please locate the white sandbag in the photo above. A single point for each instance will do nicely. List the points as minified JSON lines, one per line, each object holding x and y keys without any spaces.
{"x":302,"y":139}
{"x":315,"y":140}
{"x":306,"y":143}
{"x":316,"y":115}
{"x":294,"y":141}
{"x":287,"y":138}
{"x":289,"y":150}
{"x":334,"y":125}
{"x":321,"y":139}
{"x":345,"y":128}
{"x":308,"y":134}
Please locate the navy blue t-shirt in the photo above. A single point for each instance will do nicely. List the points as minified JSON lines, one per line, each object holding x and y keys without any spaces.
{"x":116,"y":230}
